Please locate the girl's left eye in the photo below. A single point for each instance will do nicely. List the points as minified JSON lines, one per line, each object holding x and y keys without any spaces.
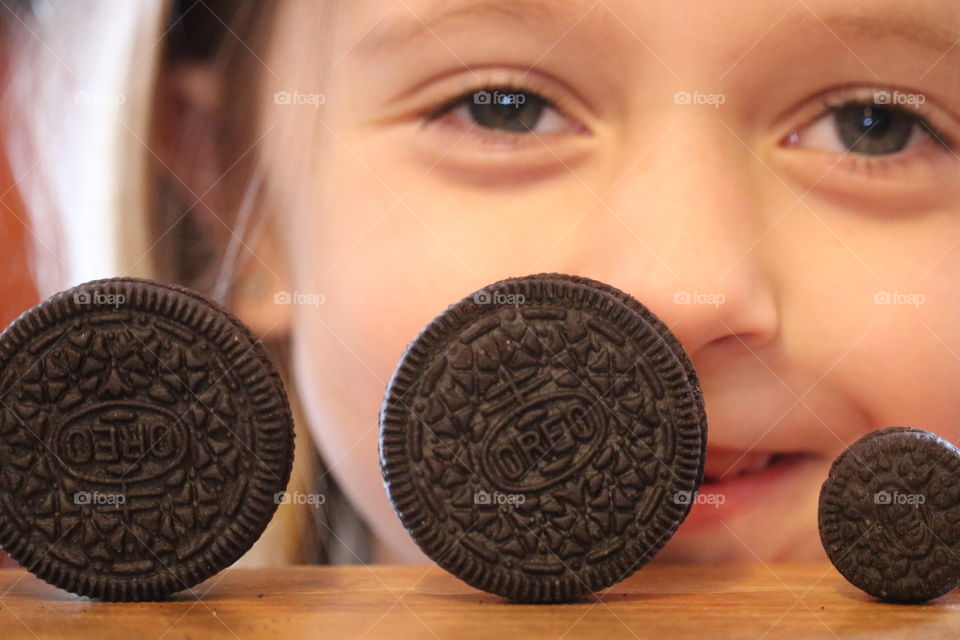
{"x":506,"y":110}
{"x":865,"y":129}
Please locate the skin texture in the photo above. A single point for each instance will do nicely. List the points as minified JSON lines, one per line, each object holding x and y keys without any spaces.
{"x":392,"y":219}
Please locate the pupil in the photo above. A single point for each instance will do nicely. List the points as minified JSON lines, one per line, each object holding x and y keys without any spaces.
{"x":507,"y":110}
{"x":873,"y":129}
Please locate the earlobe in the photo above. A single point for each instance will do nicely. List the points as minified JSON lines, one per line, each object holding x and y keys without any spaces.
{"x":256,"y":295}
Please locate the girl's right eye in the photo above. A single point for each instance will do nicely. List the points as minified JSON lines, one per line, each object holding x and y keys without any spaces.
{"x":866,"y":129}
{"x":510,"y":111}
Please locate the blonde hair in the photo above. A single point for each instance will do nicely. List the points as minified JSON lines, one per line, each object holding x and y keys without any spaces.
{"x":77,"y":123}
{"x":83,"y":83}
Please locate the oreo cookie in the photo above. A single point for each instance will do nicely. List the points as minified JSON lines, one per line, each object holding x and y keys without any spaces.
{"x":889,"y":515}
{"x":663,"y":330}
{"x":543,"y":438}
{"x":144,"y":436}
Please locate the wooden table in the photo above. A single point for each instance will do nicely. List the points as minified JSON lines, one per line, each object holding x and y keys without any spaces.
{"x":689,"y":601}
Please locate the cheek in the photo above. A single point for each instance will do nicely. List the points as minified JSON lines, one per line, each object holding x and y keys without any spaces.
{"x":340,"y":381}
{"x":896,"y":347}
{"x":868,"y":313}
{"x":915,"y":369}
{"x":377,"y":283}
{"x":911,"y":379}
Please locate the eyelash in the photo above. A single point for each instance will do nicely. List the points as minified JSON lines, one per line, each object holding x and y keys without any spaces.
{"x":529,"y":86}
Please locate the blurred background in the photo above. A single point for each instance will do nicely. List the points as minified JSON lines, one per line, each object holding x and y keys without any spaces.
{"x":38,"y":259}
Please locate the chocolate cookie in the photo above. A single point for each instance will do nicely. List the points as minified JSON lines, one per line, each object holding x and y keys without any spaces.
{"x":890,"y":514}
{"x":542,"y":439}
{"x":144,"y":435}
{"x":654,"y":322}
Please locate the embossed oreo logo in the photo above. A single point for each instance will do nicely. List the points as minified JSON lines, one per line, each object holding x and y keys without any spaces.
{"x":544,"y":441}
{"x":120,"y":442}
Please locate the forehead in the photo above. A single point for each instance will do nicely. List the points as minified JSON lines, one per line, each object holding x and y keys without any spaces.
{"x":392,"y":22}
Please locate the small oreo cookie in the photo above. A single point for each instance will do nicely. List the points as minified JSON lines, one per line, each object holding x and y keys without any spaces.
{"x":889,"y":514}
{"x":543,"y":438}
{"x":144,"y":435}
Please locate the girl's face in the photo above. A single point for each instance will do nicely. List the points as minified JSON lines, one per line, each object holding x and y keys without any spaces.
{"x":779,"y":184}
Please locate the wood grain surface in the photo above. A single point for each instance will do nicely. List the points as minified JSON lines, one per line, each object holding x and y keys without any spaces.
{"x":660,"y":601}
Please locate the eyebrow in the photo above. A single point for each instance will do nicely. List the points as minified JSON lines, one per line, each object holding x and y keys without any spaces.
{"x":890,"y":20}
{"x":886,"y":22}
{"x":413,"y":27}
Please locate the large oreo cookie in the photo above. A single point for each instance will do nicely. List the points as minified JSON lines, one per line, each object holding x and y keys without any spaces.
{"x":144,"y":435}
{"x":663,"y":330}
{"x":889,"y":514}
{"x":542,"y":438}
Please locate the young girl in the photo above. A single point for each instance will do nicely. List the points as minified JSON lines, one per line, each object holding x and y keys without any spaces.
{"x":777,"y":181}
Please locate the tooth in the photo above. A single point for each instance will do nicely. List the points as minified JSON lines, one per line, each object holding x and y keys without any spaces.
{"x":757,"y":463}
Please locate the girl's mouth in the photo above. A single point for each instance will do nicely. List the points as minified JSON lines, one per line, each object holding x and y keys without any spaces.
{"x":725,"y":466}
{"x":737,"y":483}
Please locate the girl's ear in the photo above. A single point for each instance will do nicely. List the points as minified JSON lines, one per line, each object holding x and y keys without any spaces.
{"x":260,"y":288}
{"x":196,"y":155}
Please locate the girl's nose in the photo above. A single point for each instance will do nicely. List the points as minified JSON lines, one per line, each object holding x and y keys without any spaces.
{"x":688,"y":232}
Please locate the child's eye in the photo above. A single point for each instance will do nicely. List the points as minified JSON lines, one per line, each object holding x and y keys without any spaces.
{"x":506,"y":110}
{"x":865,"y":128}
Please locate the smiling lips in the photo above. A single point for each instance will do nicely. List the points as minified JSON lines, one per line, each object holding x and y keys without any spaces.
{"x":726,"y":464}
